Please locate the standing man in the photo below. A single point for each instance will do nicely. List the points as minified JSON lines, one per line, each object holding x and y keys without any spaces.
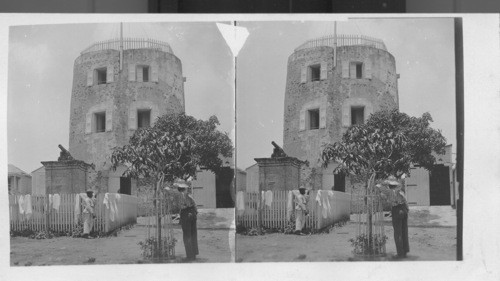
{"x":300,"y":210}
{"x":88,"y":212}
{"x":399,"y":212}
{"x":188,"y":213}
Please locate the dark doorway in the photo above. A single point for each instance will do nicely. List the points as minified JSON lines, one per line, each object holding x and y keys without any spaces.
{"x":125,"y":186}
{"x":223,"y":188}
{"x":439,"y":185}
{"x":339,"y":182}
{"x":357,"y":115}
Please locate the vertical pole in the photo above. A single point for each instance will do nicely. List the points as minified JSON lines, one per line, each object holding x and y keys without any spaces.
{"x":47,"y":210}
{"x":121,"y":46}
{"x":459,"y":82}
{"x":334,"y":44}
{"x":259,"y":210}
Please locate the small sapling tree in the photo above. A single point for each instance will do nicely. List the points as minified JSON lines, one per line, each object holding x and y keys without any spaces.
{"x":389,"y":143}
{"x":173,"y":148}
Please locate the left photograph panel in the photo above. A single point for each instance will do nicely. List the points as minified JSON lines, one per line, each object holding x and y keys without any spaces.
{"x":120,"y":144}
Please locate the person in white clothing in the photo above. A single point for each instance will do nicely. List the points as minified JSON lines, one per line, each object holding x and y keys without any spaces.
{"x":88,"y":213}
{"x":300,"y":210}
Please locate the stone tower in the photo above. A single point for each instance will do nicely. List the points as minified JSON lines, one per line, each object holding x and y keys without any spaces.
{"x":329,"y":89}
{"x":119,"y":86}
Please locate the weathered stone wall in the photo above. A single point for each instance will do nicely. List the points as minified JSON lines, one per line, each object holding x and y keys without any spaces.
{"x":63,"y":177}
{"x":278,"y":173}
{"x":306,"y":144}
{"x":333,"y":95}
{"x":120,"y":98}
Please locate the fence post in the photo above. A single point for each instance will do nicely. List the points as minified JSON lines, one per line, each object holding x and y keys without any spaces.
{"x":259,"y":211}
{"x":47,"y":213}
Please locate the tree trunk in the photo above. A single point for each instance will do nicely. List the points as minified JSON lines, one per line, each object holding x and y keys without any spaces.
{"x":158,"y":219}
{"x":369,"y":213}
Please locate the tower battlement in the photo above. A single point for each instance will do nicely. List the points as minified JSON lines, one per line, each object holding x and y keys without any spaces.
{"x":343,"y":40}
{"x":128,"y":44}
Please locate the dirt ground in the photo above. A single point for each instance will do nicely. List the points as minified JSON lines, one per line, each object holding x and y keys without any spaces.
{"x":432,"y":237}
{"x":213,"y":243}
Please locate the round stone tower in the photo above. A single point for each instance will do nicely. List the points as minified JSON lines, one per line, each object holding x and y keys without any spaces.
{"x":328,"y":90}
{"x":119,"y":86}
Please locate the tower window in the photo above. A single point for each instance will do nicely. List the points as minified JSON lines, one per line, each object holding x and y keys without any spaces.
{"x":356,"y":70}
{"x":357,"y":115}
{"x":314,"y":72}
{"x":100,"y":122}
{"x":313,"y":115}
{"x":143,"y":118}
{"x":143,"y":73}
{"x":100,"y":75}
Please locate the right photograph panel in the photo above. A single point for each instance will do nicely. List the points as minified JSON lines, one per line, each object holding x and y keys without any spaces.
{"x":346,"y":141}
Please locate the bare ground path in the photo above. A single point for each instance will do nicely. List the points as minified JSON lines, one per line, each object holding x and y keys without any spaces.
{"x":213,"y":242}
{"x":432,"y":236}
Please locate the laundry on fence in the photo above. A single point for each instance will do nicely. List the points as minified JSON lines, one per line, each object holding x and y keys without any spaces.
{"x":56,"y":201}
{"x":240,"y":202}
{"x":20,"y":202}
{"x":290,"y":203}
{"x":77,"y":206}
{"x":323,"y":199}
{"x":37,"y":212}
{"x":268,"y":198}
{"x":27,"y":202}
{"x":110,"y":203}
{"x":25,"y":207}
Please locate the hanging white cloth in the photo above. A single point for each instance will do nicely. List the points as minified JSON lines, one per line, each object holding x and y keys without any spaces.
{"x":56,"y":201}
{"x":289,"y":205}
{"x":269,"y":198}
{"x":318,"y":197}
{"x":262,"y":198}
{"x":106,"y":200}
{"x":109,"y":202}
{"x":113,"y":213}
{"x":326,"y":205}
{"x":240,"y":202}
{"x":28,"y":210}
{"x":50,"y":200}
{"x":20,"y":202}
{"x":77,"y":207}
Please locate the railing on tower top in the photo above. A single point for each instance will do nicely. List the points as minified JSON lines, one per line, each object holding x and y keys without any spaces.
{"x":343,"y":40}
{"x":129,"y":43}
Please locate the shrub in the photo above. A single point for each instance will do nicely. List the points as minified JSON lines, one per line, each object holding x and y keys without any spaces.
{"x":150,"y":248}
{"x":368,"y":245}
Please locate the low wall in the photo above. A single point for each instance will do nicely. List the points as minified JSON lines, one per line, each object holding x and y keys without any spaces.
{"x":340,"y":208}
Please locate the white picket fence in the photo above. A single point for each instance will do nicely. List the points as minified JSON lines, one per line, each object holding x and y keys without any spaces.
{"x":121,"y":211}
{"x":275,"y":216}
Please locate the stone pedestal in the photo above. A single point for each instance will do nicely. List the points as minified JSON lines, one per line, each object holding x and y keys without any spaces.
{"x":63,"y":177}
{"x":278,"y":173}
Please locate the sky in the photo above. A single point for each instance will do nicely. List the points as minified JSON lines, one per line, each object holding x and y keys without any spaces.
{"x":425,"y":59}
{"x":40,"y":78}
